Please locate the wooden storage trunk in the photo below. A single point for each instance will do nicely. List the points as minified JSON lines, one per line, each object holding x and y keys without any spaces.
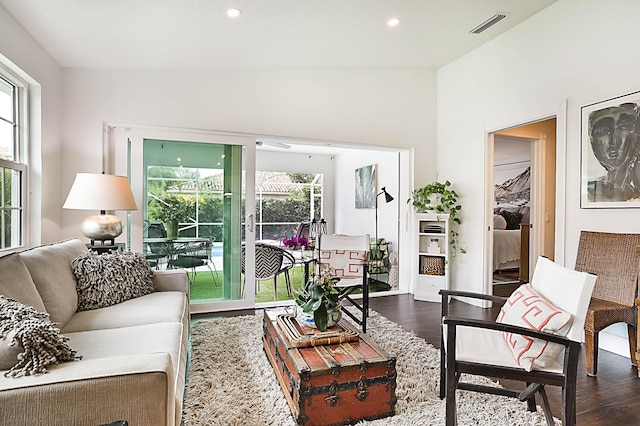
{"x":334,"y":384}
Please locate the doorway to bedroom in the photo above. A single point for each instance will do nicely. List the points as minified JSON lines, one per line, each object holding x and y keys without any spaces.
{"x":523,"y":188}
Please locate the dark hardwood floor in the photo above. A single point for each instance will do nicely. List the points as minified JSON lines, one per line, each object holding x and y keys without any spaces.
{"x":611,"y":398}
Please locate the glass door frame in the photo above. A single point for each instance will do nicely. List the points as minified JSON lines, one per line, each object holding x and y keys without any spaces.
{"x":123,"y":155}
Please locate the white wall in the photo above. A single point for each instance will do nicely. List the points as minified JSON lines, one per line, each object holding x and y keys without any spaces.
{"x":553,"y":56}
{"x":350,"y":220}
{"x":362,"y":106}
{"x":578,"y":50}
{"x":20,"y":52}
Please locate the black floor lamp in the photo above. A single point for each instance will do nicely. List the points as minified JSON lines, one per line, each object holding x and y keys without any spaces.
{"x":388,"y":198}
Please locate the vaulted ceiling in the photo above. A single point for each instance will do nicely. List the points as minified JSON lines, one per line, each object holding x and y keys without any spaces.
{"x":198,"y":34}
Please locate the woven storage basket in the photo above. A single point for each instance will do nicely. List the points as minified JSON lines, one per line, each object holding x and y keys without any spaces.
{"x":433,"y":265}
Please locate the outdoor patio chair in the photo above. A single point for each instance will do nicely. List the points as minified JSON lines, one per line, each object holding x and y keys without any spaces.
{"x":157,"y":253}
{"x":203,"y":250}
{"x":526,"y":343}
{"x":193,"y":254}
{"x":270,"y":262}
{"x":348,"y":256}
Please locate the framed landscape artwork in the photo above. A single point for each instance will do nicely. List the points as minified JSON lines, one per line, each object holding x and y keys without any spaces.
{"x":610,"y":151}
{"x":366,"y":187}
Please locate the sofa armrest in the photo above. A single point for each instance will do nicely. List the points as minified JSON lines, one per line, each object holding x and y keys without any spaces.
{"x":137,"y":388}
{"x":172,"y":280}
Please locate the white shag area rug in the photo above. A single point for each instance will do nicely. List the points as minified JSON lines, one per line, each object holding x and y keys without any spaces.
{"x":231,"y":382}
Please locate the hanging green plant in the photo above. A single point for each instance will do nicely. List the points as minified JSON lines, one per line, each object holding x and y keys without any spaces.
{"x":438,"y":197}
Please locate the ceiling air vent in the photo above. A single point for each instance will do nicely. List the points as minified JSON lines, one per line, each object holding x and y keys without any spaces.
{"x":488,"y":23}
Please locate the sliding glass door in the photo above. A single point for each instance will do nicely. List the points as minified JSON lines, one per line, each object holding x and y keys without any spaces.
{"x":193,"y":193}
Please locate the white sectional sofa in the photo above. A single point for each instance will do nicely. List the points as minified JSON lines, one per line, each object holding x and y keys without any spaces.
{"x":133,"y":353}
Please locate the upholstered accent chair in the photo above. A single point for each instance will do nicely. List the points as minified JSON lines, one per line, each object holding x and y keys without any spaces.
{"x":348,"y":256}
{"x":535,"y":340}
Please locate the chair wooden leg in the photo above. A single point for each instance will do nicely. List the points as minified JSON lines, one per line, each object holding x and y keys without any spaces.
{"x":365,"y":305}
{"x":450,"y":384}
{"x":531,"y":401}
{"x":569,"y":405}
{"x":633,"y":343}
{"x":443,"y":368}
{"x":591,"y":352}
{"x":545,"y":407}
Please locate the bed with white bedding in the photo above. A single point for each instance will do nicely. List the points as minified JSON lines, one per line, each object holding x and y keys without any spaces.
{"x":506,"y":249}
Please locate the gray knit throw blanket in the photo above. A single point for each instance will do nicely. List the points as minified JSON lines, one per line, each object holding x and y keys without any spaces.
{"x":41,"y":339}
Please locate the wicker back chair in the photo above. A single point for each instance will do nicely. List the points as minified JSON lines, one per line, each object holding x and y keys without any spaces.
{"x":614,"y":259}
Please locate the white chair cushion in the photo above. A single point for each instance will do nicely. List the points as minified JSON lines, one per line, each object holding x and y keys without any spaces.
{"x":527,"y":308}
{"x":567,"y":289}
{"x":489,"y":347}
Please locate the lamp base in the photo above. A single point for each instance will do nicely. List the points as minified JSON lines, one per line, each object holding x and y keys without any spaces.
{"x":101,"y":227}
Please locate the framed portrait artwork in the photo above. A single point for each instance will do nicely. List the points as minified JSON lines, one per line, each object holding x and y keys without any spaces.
{"x":610,"y":153}
{"x":366,"y":187}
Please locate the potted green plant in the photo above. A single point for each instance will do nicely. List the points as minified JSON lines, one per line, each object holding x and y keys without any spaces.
{"x":440,"y":197}
{"x":317,"y":305}
{"x":173,"y":210}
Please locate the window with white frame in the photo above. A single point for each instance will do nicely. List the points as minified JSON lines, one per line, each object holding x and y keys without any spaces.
{"x":12,"y":161}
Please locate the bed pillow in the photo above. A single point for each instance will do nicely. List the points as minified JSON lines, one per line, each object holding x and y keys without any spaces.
{"x":513,"y":219}
{"x":527,"y":308}
{"x":499,"y":222}
{"x":29,"y":341}
{"x":111,"y":278}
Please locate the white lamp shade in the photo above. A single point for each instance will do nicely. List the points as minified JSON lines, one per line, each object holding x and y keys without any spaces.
{"x":92,"y":191}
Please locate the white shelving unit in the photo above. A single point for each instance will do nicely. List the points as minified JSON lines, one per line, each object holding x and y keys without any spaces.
{"x":432,"y":253}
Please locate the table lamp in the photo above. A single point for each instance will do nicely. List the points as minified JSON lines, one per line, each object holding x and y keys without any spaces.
{"x":92,"y":191}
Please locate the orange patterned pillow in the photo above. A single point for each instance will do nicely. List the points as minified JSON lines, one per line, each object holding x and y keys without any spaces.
{"x":526,"y":308}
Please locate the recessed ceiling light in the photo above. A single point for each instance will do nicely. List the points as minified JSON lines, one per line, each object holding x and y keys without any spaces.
{"x":234,"y":13}
{"x":393,"y":22}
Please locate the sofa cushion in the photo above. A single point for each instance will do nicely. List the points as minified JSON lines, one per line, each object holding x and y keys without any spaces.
{"x":116,"y":344}
{"x":165,"y":306}
{"x":50,"y":269}
{"x":527,"y":308}
{"x":40,"y":342}
{"x":141,"y":339}
{"x":111,"y":278}
{"x":16,"y":282}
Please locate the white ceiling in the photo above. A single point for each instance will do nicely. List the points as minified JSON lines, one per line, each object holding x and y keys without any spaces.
{"x":192,"y":34}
